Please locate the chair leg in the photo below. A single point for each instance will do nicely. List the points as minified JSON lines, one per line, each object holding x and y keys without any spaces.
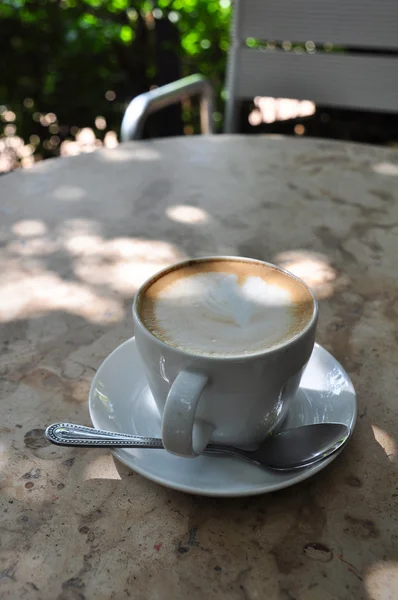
{"x":232,"y":113}
{"x":232,"y":108}
{"x":207,"y":107}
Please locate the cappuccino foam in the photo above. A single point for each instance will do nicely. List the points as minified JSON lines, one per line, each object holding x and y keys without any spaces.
{"x":221,"y":307}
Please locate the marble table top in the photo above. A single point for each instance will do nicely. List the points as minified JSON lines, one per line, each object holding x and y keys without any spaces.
{"x":77,"y":237}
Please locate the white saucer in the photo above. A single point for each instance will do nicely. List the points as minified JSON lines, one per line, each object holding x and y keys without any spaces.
{"x":120,"y":400}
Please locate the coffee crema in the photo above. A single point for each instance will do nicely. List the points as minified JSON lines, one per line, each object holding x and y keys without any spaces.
{"x":224,"y":307}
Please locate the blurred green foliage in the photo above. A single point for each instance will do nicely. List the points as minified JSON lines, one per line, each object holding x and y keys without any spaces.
{"x":78,"y":59}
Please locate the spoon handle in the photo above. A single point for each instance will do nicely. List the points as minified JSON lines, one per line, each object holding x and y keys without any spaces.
{"x":69,"y":434}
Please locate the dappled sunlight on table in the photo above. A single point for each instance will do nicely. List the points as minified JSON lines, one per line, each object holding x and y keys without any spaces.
{"x":104,"y":272}
{"x":29,"y":227}
{"x":3,"y":455}
{"x":123,"y":264}
{"x":312,"y":267}
{"x":40,"y":292}
{"x":381,"y":577}
{"x":386,"y":441}
{"x":187,"y":214}
{"x":101,"y":467}
{"x":386,"y":168}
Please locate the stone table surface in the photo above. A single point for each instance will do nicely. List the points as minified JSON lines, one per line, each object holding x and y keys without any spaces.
{"x":77,"y":236}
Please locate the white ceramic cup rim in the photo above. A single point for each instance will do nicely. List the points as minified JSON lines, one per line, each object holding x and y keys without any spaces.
{"x":240,"y":357}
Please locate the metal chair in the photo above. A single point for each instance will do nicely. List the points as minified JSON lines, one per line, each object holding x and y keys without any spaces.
{"x":143,"y":105}
{"x":363,"y":75}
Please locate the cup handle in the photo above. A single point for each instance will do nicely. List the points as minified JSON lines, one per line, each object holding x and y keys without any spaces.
{"x":181,"y":433}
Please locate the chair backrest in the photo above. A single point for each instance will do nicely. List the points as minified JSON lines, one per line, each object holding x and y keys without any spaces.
{"x":361,"y":71}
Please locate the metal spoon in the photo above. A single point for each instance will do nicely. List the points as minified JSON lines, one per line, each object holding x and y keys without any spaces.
{"x":290,"y":449}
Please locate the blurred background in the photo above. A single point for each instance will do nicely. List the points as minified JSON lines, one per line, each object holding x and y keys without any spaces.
{"x":68,"y":69}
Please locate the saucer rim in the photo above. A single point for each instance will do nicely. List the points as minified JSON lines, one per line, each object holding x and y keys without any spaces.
{"x":302,"y":475}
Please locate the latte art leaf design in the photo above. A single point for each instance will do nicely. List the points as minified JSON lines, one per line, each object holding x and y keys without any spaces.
{"x":226,"y":302}
{"x":239,"y":310}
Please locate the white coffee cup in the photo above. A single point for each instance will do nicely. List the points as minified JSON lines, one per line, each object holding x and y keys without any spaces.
{"x":229,"y":399}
